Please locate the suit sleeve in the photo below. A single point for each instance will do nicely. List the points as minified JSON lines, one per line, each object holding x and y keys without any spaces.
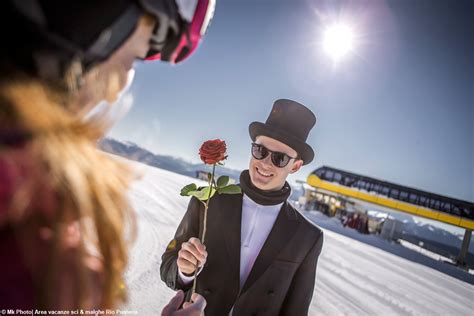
{"x":189,"y":227}
{"x":301,"y":289}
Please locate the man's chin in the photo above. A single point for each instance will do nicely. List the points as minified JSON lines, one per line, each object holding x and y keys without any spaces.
{"x":262,"y":186}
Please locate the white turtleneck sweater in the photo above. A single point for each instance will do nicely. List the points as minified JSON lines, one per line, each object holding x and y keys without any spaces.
{"x":257,"y":222}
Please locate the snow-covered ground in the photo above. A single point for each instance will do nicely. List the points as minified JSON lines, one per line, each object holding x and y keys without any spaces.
{"x":357,"y":275}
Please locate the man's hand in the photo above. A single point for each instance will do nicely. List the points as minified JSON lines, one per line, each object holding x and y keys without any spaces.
{"x":191,"y":252}
{"x":194,"y":308}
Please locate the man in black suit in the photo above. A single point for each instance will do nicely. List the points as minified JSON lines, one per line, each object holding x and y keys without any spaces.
{"x":261,"y":254}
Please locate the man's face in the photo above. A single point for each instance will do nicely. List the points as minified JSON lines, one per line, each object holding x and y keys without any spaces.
{"x":264,"y":174}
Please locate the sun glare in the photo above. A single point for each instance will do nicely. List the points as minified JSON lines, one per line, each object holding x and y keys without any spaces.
{"x":338,"y":41}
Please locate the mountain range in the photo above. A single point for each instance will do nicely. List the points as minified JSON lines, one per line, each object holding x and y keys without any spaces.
{"x":133,"y":151}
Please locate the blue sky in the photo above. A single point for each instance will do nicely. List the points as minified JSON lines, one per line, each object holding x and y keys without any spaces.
{"x":400,"y":108}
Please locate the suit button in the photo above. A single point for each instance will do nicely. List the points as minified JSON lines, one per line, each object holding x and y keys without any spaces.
{"x":206,"y":292}
{"x":270,"y":293}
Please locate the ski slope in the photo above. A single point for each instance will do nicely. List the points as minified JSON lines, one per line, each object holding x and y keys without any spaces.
{"x":353,"y":278}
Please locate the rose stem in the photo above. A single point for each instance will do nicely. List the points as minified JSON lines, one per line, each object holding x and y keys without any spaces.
{"x":206,"y":205}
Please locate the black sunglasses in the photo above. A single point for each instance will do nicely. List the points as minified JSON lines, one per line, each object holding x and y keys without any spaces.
{"x":279,"y":159}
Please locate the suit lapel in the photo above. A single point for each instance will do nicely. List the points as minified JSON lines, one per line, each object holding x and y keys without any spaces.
{"x":231,"y":212}
{"x":281,"y":233}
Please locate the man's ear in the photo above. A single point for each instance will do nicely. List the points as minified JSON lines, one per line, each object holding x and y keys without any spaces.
{"x":296,"y":166}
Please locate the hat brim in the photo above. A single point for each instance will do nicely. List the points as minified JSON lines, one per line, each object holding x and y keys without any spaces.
{"x":304,"y":150}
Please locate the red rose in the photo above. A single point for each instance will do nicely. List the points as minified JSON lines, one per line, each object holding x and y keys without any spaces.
{"x":213,"y":151}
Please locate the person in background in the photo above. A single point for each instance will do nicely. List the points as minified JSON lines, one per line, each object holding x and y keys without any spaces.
{"x":65,"y":222}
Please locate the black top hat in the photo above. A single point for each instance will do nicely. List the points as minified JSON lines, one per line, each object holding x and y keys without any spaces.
{"x":289,"y":122}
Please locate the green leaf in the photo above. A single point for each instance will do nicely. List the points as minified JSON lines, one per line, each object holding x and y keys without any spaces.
{"x":222,"y":181}
{"x":209,"y":176}
{"x":230,"y":189}
{"x":203,"y":194}
{"x":190,"y":187}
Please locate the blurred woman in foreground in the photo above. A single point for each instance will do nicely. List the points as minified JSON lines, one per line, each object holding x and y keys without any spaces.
{"x":65,"y":222}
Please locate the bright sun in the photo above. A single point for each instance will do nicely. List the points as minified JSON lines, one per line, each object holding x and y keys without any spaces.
{"x":338,"y":41}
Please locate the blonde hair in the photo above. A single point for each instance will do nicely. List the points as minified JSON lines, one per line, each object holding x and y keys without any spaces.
{"x":88,"y":187}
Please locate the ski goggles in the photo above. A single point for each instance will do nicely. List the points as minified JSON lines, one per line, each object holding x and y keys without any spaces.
{"x":181,"y":28}
{"x":279,"y":159}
